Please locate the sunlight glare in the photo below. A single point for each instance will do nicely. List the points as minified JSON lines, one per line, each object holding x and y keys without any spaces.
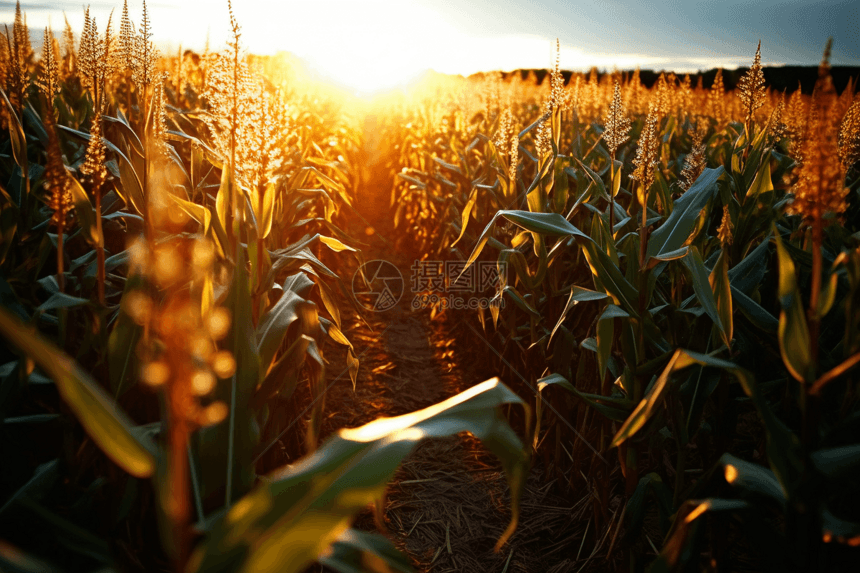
{"x":368,"y":47}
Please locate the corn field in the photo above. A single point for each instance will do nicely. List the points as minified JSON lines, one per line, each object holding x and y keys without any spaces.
{"x":662,"y":376}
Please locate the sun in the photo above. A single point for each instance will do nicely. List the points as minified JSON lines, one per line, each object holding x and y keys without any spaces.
{"x":373,"y":64}
{"x":366,"y":47}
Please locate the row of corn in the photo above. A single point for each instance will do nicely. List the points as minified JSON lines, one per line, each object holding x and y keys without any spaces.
{"x":678,"y":293}
{"x":168,"y":230}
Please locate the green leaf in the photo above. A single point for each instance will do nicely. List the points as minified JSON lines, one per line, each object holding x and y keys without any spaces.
{"x":467,"y":212}
{"x":783,"y":447}
{"x":197,"y":212}
{"x":754,"y":312}
{"x":560,"y":187}
{"x":16,"y":136}
{"x":827,"y":296}
{"x":122,"y":342}
{"x":719,"y":281}
{"x":274,"y":324}
{"x":267,"y":211}
{"x":750,"y":479}
{"x":519,"y":300}
{"x":794,"y":338}
{"x":837,"y":529}
{"x":62,"y":300}
{"x":762,"y":185}
{"x":579,"y":294}
{"x":679,"y":547}
{"x":68,"y":534}
{"x":617,"y":409}
{"x":307,"y":506}
{"x":8,"y":223}
{"x":43,"y":479}
{"x":127,"y":132}
{"x":334,"y":244}
{"x":748,"y":274}
{"x":224,"y":200}
{"x":650,"y":402}
{"x":355,"y":550}
{"x":34,"y":121}
{"x":650,"y":483}
{"x":702,"y":287}
{"x":31,"y":419}
{"x":552,"y":224}
{"x":675,"y":231}
{"x":840,"y":463}
{"x":611,"y":278}
{"x":605,"y":335}
{"x":613,"y":311}
{"x":130,"y":181}
{"x":672,"y":255}
{"x":596,"y":179}
{"x":243,"y":383}
{"x":283,"y":375}
{"x":100,"y":416}
{"x":85,"y":213}
{"x":682,"y":359}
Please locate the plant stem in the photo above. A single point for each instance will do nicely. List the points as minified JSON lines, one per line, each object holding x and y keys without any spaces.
{"x":128,"y":84}
{"x":643,"y":233}
{"x":180,"y":507}
{"x":149,"y":228}
{"x":809,"y":402}
{"x":100,"y":248}
{"x":62,"y":315}
{"x":815,"y":295}
{"x":61,"y":280}
{"x":612,"y":195}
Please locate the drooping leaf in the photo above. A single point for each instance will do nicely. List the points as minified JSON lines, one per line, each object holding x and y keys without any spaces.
{"x":794,"y":338}
{"x":16,"y":136}
{"x":309,"y":505}
{"x":62,"y":300}
{"x":750,"y":479}
{"x":122,"y":342}
{"x":43,"y":479}
{"x":274,"y":324}
{"x":679,"y":547}
{"x":675,"y":231}
{"x":719,"y":280}
{"x":748,"y":274}
{"x":754,"y":312}
{"x":100,"y":416}
{"x":702,"y":287}
{"x":357,"y":551}
{"x":8,"y":223}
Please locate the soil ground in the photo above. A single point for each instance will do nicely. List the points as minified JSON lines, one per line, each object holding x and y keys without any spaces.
{"x":449,"y":501}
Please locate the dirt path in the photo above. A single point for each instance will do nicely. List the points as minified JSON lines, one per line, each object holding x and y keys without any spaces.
{"x":449,"y":501}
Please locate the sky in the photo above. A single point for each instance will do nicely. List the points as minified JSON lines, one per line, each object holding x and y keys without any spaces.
{"x":381,"y":43}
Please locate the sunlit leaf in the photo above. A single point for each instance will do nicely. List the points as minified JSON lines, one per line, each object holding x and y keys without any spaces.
{"x":309,"y":505}
{"x":100,"y":416}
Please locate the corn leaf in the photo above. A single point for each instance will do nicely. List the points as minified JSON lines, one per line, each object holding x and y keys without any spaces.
{"x":702,"y":287}
{"x":354,"y":550}
{"x":675,"y":231}
{"x":794,"y":338}
{"x":308,"y":506}
{"x":100,"y":416}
